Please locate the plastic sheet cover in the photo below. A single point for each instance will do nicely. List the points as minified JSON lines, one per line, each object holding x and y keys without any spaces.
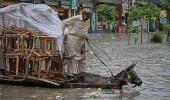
{"x":33,"y":16}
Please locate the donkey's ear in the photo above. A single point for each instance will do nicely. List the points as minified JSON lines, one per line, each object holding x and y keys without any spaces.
{"x":132,"y":66}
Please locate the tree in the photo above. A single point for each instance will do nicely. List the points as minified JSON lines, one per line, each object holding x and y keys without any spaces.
{"x":144,"y":12}
{"x":166,"y":5}
{"x":106,"y":13}
{"x":133,"y":29}
{"x":167,"y":29}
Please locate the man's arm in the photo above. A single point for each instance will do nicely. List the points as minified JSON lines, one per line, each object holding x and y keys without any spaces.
{"x":69,"y":22}
{"x":65,"y":24}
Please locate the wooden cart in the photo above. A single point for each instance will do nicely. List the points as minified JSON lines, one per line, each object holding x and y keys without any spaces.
{"x":31,"y":55}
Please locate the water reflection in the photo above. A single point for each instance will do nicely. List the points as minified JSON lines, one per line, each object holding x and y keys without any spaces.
{"x":153,"y":67}
{"x":10,"y":92}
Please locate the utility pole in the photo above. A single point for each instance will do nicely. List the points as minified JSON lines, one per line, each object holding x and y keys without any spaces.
{"x":128,"y":23}
{"x":33,"y":1}
{"x":1,"y":5}
{"x":94,"y":16}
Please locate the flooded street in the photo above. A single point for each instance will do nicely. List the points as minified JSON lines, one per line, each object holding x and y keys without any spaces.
{"x":153,"y":66}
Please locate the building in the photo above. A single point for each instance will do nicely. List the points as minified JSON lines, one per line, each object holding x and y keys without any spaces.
{"x":61,"y":6}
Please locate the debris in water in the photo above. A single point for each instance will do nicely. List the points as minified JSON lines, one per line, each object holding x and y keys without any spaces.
{"x":95,"y":93}
{"x":58,"y":97}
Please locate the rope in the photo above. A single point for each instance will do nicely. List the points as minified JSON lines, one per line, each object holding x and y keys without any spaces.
{"x":100,"y":49}
{"x":98,"y":57}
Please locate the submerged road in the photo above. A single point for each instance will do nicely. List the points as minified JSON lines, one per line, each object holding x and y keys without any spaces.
{"x":153,"y":66}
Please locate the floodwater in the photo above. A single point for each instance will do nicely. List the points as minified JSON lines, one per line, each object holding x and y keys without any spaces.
{"x":153,"y":66}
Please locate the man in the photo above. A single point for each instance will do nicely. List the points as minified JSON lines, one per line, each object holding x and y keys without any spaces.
{"x":75,"y":38}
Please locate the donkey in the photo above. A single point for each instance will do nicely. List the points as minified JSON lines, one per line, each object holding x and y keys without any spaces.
{"x":89,"y":80}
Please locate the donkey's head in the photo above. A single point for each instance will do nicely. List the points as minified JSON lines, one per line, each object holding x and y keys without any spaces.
{"x":127,"y":75}
{"x":132,"y":76}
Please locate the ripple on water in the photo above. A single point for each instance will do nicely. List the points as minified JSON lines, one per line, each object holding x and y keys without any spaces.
{"x":153,"y":66}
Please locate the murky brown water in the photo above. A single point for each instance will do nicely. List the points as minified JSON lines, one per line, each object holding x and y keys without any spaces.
{"x":153,"y":67}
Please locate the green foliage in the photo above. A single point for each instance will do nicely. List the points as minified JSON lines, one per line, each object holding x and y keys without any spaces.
{"x":145,"y":11}
{"x":134,"y":28}
{"x":167,"y":28}
{"x":165,"y":4}
{"x":152,"y":12}
{"x":106,"y":13}
{"x":156,"y":38}
{"x":136,"y":13}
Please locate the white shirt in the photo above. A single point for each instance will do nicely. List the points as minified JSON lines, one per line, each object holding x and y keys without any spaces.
{"x":75,"y":25}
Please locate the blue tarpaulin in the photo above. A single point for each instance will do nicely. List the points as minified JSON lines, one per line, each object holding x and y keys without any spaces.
{"x":74,"y":4}
{"x":163,"y":21}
